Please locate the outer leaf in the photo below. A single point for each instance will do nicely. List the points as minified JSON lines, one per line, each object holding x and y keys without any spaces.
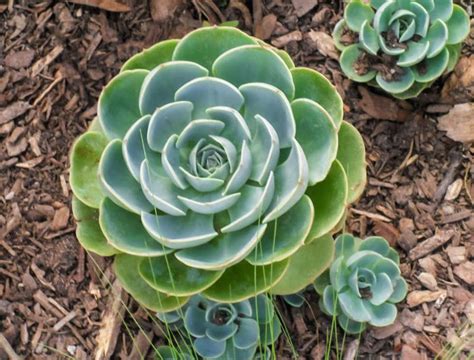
{"x":353,"y":307}
{"x":125,"y":232}
{"x":85,"y":156}
{"x":243,"y":280}
{"x":437,"y":37}
{"x":382,"y":315}
{"x":316,"y":133}
{"x":350,"y":326}
{"x":337,"y":34}
{"x":284,"y":236}
{"x":168,"y":275}
{"x":208,"y":348}
{"x":368,"y":38}
{"x":224,"y":251}
{"x":351,"y":155}
{"x":118,"y":103}
{"x":329,"y":198}
{"x":348,"y":59}
{"x":442,"y":10}
{"x":458,"y":25}
{"x":310,"y":84}
{"x":318,"y":253}
{"x":152,"y":57}
{"x":356,"y":13}
{"x":433,"y":68}
{"x":88,"y":231}
{"x":261,"y":65}
{"x":126,"y":269}
{"x":118,"y":183}
{"x":203,"y":46}
{"x":397,"y":86}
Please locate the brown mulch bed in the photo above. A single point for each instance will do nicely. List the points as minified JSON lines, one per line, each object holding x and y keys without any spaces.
{"x":54,"y":59}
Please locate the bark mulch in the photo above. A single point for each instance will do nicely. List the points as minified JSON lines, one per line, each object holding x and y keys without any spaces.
{"x":55,"y":57}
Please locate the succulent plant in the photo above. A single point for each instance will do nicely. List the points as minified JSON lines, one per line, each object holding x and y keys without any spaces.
{"x":295,"y":300}
{"x":362,"y":284}
{"x":401,"y":46}
{"x":213,"y":165}
{"x":228,"y":331}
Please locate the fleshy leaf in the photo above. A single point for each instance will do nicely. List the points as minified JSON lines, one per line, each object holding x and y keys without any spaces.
{"x":329,"y":198}
{"x":318,"y":253}
{"x":350,"y":326}
{"x":349,"y":57}
{"x":422,"y":18}
{"x":353,"y":306}
{"x":264,"y":150}
{"x":117,"y":181}
{"x":126,"y":269}
{"x":244,"y":280}
{"x":236,"y":128}
{"x":382,"y":290}
{"x":356,"y":13}
{"x":337,"y":35}
{"x":270,"y":103}
{"x":205,"y":45}
{"x":316,"y":133}
{"x":436,"y":37}
{"x":150,"y":58}
{"x":223,"y":251}
{"x":285,"y":235}
{"x":261,"y":65}
{"x":135,"y":148}
{"x":382,"y":315}
{"x":168,"y":275}
{"x":88,"y":231}
{"x":382,"y":16}
{"x":375,"y":243}
{"x":179,"y":232}
{"x":160,"y":191}
{"x":161,"y":84}
{"x":458,"y":25}
{"x":85,"y":157}
{"x":207,"y":92}
{"x":399,"y":85}
{"x":312,"y":85}
{"x":291,"y":179}
{"x":346,"y":245}
{"x":368,"y":38}
{"x":351,"y":155}
{"x":118,"y":103}
{"x":125,"y":232}
{"x":252,"y":204}
{"x":243,"y":171}
{"x":247,"y":335}
{"x":399,"y":291}
{"x":414,"y":54}
{"x":442,"y":10}
{"x":168,"y":120}
{"x":208,"y":203}
{"x":208,"y":348}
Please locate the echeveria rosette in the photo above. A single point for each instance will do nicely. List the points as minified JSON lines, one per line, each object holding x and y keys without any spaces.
{"x":363,"y":283}
{"x":227,"y":330}
{"x":213,"y":165}
{"x":401,"y":46}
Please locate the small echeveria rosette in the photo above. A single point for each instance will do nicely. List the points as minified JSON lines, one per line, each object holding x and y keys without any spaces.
{"x":401,"y":46}
{"x":217,"y":167}
{"x":363,"y":284}
{"x":240,"y":330}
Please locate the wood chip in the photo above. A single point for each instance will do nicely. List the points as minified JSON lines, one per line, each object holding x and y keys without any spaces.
{"x":460,"y":85}
{"x":428,"y":281}
{"x":60,"y":324}
{"x":61,"y":218}
{"x":387,"y":231}
{"x":465,"y":271}
{"x":381,"y":107}
{"x":12,"y":111}
{"x":458,"y":123}
{"x":48,"y":59}
{"x":108,"y":5}
{"x":324,"y":43}
{"x":302,"y":7}
{"x":431,"y":244}
{"x":419,"y":297}
{"x":111,"y":323}
{"x":412,"y":319}
{"x":20,"y":59}
{"x":264,"y":28}
{"x":283,"y":40}
{"x":387,"y":331}
{"x":453,"y":190}
{"x":456,"y":254}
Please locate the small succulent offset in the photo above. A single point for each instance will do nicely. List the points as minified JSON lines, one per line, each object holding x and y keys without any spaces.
{"x":401,"y":46}
{"x":362,"y":284}
{"x":206,"y":166}
{"x":228,"y":331}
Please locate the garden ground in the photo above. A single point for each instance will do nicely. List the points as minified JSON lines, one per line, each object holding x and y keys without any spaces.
{"x":56,"y":56}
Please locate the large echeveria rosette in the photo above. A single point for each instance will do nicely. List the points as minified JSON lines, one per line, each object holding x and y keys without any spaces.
{"x":401,"y":46}
{"x":363,"y":283}
{"x":213,"y":166}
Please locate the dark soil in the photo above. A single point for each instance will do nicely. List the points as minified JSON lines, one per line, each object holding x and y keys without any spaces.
{"x":55,"y":57}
